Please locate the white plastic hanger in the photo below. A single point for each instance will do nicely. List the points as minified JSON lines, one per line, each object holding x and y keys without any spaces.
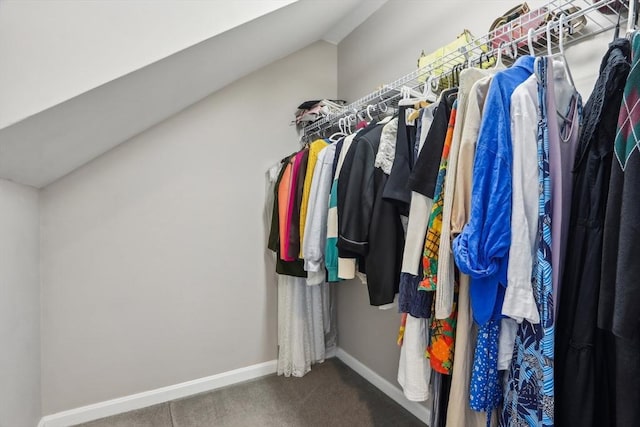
{"x":549,"y":38}
{"x":514,"y":48}
{"x":499,"y":64}
{"x":410,"y":96}
{"x":351,"y":120}
{"x":561,"y":54}
{"x":336,"y":136}
{"x":631,"y":18}
{"x":565,"y":88}
{"x":373,"y":108}
{"x":428,"y":93}
{"x":562,"y":93}
{"x":467,"y":59}
{"x":561,"y":40}
{"x":382,"y":104}
{"x":532,"y":52}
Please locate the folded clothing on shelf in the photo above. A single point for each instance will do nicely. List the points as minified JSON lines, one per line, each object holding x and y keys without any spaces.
{"x":310,"y":111}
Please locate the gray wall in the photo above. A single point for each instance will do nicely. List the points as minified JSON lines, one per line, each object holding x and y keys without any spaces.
{"x":19,"y":306}
{"x":154,"y":268}
{"x":385,"y":47}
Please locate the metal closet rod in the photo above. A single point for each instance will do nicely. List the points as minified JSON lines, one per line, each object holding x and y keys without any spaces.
{"x":475,"y":53}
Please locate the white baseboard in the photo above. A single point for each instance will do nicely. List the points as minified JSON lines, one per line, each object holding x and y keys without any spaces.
{"x":394,"y":392}
{"x":153,"y":397}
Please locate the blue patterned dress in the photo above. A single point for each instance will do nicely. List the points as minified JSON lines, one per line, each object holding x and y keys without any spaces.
{"x":529,"y":393}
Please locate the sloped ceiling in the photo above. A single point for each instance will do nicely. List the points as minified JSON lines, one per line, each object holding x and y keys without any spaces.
{"x":56,"y":49}
{"x":46,"y":146}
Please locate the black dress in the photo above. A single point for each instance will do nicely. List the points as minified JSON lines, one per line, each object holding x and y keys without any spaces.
{"x":619,"y":302}
{"x":581,"y":378}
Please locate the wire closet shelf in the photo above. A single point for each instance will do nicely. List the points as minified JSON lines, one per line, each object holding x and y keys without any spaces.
{"x":584,"y":12}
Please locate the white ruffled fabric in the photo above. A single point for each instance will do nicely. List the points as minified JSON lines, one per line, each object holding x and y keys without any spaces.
{"x":301,"y":325}
{"x":387,"y":148}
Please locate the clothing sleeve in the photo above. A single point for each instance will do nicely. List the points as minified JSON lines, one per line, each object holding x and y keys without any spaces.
{"x":346,"y":258}
{"x":425,"y":172}
{"x":416,"y":231}
{"x":314,"y":151}
{"x":484,"y":242}
{"x":461,"y":207}
{"x":274,"y":237}
{"x":349,"y":188}
{"x":355,"y":217}
{"x":294,"y":227}
{"x":446,"y":274}
{"x":461,"y":203}
{"x":284,"y":196}
{"x":316,"y":225}
{"x":396,"y":190}
{"x":331,"y":251}
{"x":519,"y":302}
{"x":506,"y":342}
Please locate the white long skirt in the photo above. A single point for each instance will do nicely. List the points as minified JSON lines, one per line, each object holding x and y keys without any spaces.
{"x":306,"y":313}
{"x":304,"y":317}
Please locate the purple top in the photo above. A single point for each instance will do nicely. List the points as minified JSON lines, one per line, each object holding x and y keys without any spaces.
{"x":563,"y":141}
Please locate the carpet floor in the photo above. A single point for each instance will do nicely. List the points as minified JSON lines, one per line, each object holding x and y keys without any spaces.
{"x":331,"y":394}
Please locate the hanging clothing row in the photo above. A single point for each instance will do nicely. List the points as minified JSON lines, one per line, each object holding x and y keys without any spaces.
{"x":501,"y":223}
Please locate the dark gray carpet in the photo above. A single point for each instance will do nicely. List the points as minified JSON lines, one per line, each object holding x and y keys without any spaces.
{"x":330,"y":395}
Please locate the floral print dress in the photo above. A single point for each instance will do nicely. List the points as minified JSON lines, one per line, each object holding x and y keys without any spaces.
{"x":442,"y":331}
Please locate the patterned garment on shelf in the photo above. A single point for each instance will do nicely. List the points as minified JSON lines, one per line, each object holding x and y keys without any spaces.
{"x":529,"y":391}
